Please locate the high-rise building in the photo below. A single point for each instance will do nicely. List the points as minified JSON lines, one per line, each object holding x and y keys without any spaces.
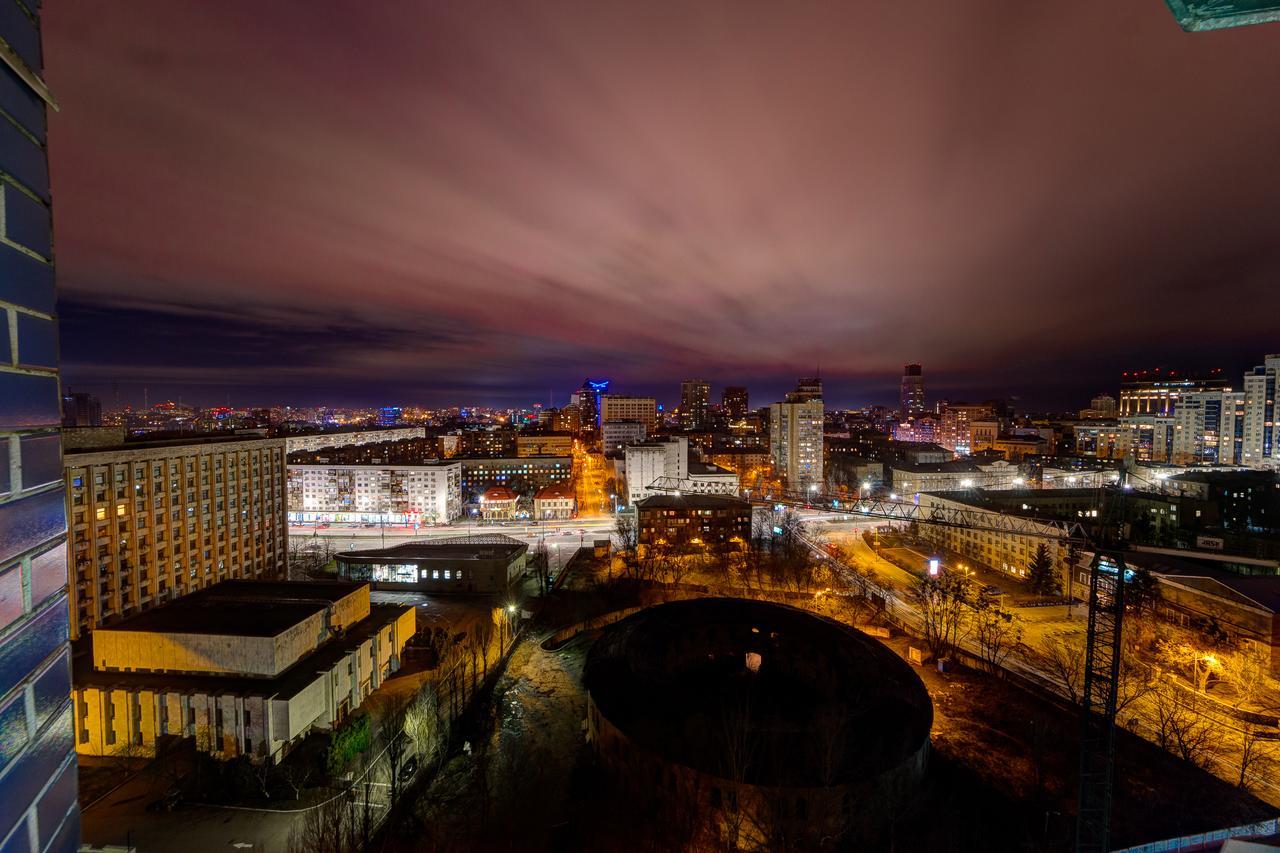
{"x":154,"y":520}
{"x":37,"y":762}
{"x":1260,"y":432}
{"x":1104,"y":405}
{"x":695,"y":398}
{"x":807,"y":390}
{"x":795,"y":438}
{"x":616,"y":407}
{"x":1206,"y":427}
{"x":734,"y":401}
{"x":955,"y":429}
{"x":589,"y":402}
{"x":911,"y":395}
{"x":81,"y":410}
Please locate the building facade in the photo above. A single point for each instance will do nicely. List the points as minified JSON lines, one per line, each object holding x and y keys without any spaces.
{"x":615,"y":408}
{"x":683,"y":521}
{"x":695,"y":400}
{"x":911,"y":392}
{"x":350,"y":438}
{"x":544,"y":444}
{"x":524,"y":474}
{"x":153,"y":521}
{"x":1156,"y":392}
{"x":615,"y":435}
{"x":1207,"y":429}
{"x":241,"y":668}
{"x":489,"y":563}
{"x":1260,"y":432}
{"x":735,"y":402}
{"x":391,"y":494}
{"x":651,"y":461}
{"x":37,"y":763}
{"x":954,"y":431}
{"x":795,"y":443}
{"x":554,"y":503}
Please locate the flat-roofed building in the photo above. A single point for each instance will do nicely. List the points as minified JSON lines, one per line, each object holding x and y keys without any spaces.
{"x":615,"y":435}
{"x":155,"y":520}
{"x":430,"y":493}
{"x":489,"y":563}
{"x":544,"y":444}
{"x":615,"y":407}
{"x":684,"y":521}
{"x":242,"y":668}
{"x":524,"y":474}
{"x":327,"y":439}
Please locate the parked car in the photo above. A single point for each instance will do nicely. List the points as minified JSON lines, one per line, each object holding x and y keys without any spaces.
{"x":409,"y":768}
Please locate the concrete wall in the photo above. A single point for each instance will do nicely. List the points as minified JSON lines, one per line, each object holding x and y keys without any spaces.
{"x":206,"y":653}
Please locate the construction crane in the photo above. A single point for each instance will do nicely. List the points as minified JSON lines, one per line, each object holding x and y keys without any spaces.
{"x":1107,"y":576}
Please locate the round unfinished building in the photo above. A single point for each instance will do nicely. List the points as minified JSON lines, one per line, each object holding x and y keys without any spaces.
{"x":730,"y":718}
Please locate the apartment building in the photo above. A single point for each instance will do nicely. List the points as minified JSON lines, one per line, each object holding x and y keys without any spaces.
{"x":388,"y":494}
{"x":154,"y":520}
{"x":350,"y":438}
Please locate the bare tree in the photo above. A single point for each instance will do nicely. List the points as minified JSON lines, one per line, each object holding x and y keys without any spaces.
{"x":627,"y":530}
{"x":997,"y":631}
{"x":1256,"y":760}
{"x":944,"y":610}
{"x":296,"y":774}
{"x":1180,"y":728}
{"x":331,"y":827}
{"x":1063,"y":657}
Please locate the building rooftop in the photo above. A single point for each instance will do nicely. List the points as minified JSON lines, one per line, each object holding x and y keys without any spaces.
{"x":707,"y":468}
{"x":240,"y":608}
{"x":480,"y":547}
{"x":286,"y":685}
{"x":99,"y":439}
{"x":691,"y":501}
{"x":499,"y":493}
{"x":555,"y":491}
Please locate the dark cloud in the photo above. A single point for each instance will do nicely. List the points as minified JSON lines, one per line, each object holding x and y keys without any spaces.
{"x":435,"y":201}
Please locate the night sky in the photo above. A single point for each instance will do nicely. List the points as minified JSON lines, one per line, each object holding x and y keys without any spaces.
{"x":433,"y":202}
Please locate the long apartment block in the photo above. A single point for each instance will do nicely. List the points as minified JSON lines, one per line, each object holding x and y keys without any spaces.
{"x":152,"y":521}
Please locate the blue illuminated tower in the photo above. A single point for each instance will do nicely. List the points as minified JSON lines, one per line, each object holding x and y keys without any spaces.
{"x":589,"y":401}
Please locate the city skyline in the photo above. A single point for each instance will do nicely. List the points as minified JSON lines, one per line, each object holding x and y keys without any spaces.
{"x":528,"y":197}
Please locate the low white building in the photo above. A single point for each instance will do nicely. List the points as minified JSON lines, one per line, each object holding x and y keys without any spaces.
{"x":652,"y":461}
{"x":241,"y":668}
{"x":907,"y":479}
{"x":394,"y":494}
{"x":615,"y":435}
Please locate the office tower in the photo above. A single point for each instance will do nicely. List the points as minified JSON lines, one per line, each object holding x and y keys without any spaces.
{"x":795,"y":438}
{"x":154,"y":520}
{"x":1205,"y":427}
{"x":589,"y":402}
{"x":615,"y":408}
{"x":911,"y":397}
{"x":1156,"y":392}
{"x":695,"y":396}
{"x":37,"y":762}
{"x":734,"y":401}
{"x":1259,"y":433}
{"x":81,"y":410}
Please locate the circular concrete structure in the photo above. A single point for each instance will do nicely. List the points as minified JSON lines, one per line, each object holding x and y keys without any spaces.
{"x":737,"y":705}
